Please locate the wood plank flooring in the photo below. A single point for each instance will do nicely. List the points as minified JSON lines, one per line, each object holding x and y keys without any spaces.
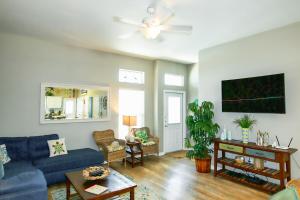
{"x":174,"y":177}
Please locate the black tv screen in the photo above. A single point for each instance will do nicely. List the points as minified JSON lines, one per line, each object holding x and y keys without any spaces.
{"x":263,"y":94}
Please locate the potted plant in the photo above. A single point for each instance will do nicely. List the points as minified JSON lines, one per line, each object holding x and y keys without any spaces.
{"x":202,"y":132}
{"x":246,"y":123}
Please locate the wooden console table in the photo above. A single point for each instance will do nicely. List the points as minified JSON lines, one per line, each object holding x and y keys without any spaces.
{"x":279,"y":156}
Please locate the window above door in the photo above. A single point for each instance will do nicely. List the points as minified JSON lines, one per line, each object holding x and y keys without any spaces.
{"x":174,"y":80}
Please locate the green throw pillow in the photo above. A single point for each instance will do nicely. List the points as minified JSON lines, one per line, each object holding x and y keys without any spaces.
{"x":142,"y":135}
{"x":289,"y":193}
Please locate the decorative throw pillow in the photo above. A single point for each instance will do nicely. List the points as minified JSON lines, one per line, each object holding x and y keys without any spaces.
{"x":4,"y":158}
{"x":57,"y":147}
{"x":142,"y":135}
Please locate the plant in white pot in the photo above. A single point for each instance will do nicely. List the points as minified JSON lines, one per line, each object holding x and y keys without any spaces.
{"x":246,"y":124}
{"x":202,"y":132}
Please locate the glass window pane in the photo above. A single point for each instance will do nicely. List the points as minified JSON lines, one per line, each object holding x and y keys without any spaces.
{"x":174,"y":110}
{"x":174,"y":80}
{"x":131,"y":102}
{"x":130,"y":76}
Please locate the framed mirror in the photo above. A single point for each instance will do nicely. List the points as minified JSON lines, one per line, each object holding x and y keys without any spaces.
{"x":64,"y":103}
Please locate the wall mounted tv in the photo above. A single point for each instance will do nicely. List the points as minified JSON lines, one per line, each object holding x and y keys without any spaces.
{"x":262,"y":94}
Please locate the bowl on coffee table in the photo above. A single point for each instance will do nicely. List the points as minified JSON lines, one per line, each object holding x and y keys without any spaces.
{"x":95,"y":173}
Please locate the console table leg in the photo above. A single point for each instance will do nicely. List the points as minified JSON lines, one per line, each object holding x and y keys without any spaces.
{"x":288,"y":169}
{"x":282,"y":170}
{"x":215,"y":158}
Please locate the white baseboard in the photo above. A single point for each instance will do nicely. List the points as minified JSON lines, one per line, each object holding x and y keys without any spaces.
{"x":161,"y":153}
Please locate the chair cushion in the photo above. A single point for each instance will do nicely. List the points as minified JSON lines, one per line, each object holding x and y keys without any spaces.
{"x":142,"y":135}
{"x":148,"y":143}
{"x":14,"y":168}
{"x":16,"y":147}
{"x":38,"y":146}
{"x":74,"y":159}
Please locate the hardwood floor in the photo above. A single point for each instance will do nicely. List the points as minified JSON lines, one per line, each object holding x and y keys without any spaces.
{"x":174,"y":177}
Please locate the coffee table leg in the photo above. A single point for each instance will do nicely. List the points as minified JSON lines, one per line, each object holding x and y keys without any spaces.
{"x":132,"y":194}
{"x":68,"y":185}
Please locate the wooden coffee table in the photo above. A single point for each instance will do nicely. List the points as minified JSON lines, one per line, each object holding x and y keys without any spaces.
{"x":116,"y":183}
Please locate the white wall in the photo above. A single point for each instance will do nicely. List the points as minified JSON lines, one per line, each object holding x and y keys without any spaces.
{"x":271,"y":52}
{"x":26,"y":62}
{"x":193,"y":82}
{"x":161,"y":68}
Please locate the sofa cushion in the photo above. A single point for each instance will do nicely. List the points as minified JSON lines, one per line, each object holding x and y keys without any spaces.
{"x":74,"y":159}
{"x":38,"y":146}
{"x":14,"y":168}
{"x":24,"y":181}
{"x":16,"y":147}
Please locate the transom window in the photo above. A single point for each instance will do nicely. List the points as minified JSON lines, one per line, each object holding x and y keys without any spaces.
{"x":174,"y":80}
{"x":131,"y":76}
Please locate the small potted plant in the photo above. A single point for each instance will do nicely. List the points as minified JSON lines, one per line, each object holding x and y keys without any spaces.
{"x":246,"y":123}
{"x":202,"y":132}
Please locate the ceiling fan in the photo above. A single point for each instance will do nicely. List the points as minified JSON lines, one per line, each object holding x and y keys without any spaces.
{"x":152,"y":25}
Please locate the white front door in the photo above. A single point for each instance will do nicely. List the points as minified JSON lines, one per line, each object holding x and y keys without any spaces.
{"x":173,"y":121}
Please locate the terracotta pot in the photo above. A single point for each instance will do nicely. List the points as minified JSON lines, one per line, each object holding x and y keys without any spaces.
{"x":203,"y":165}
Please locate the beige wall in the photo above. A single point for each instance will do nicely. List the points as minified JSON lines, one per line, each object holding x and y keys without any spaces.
{"x":26,"y":62}
{"x":271,"y":52}
{"x":161,"y":68}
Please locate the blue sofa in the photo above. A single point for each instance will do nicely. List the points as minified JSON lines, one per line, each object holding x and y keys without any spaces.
{"x":31,"y":169}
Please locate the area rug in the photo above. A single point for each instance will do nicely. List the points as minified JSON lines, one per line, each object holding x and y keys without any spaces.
{"x":141,"y":192}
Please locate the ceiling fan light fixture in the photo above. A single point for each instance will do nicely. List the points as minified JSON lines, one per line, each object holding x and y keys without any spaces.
{"x":151,"y":32}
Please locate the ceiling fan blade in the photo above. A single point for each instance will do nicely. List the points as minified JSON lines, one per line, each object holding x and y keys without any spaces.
{"x":128,"y":35}
{"x":128,"y":21}
{"x":167,"y":19}
{"x":177,"y":28}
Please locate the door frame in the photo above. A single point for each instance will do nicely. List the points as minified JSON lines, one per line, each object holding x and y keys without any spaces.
{"x":183,"y":115}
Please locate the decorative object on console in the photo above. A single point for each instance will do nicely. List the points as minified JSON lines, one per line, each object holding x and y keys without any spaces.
{"x":129,"y":121}
{"x":95,"y":173}
{"x":262,"y":138}
{"x":223,"y":134}
{"x":4,"y":158}
{"x":229,"y":135}
{"x":57,"y":147}
{"x":202,"y":130}
{"x":239,"y":159}
{"x":246,"y":123}
{"x":258,"y":163}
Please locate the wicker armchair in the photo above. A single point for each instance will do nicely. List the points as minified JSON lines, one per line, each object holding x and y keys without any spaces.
{"x":148,"y":149}
{"x":104,"y":139}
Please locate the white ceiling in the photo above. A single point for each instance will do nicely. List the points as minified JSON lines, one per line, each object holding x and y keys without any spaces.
{"x":89,"y":24}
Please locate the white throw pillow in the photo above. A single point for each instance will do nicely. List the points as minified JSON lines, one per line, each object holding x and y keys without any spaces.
{"x":57,"y":147}
{"x":3,"y":154}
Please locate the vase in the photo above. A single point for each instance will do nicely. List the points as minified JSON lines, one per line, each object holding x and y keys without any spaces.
{"x":1,"y":170}
{"x":203,"y":165}
{"x":245,"y":135}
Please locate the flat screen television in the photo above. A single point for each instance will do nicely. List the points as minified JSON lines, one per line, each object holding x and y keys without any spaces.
{"x":262,"y":94}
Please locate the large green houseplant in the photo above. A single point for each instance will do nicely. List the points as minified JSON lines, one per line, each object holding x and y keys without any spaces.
{"x":202,"y":131}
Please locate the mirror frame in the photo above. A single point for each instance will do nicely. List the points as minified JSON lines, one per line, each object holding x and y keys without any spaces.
{"x":61,"y":85}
